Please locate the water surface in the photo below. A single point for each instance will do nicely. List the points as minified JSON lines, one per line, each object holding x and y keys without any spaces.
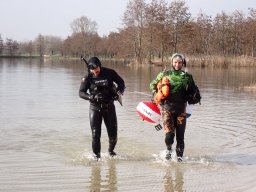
{"x":45,"y":138}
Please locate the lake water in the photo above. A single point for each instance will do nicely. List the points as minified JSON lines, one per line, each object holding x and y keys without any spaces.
{"x":45,"y":137}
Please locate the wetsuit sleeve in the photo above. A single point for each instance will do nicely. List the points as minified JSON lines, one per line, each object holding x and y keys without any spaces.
{"x":191,"y":84}
{"x":84,"y":88}
{"x":154,"y":82}
{"x":193,"y":93}
{"x":119,"y":81}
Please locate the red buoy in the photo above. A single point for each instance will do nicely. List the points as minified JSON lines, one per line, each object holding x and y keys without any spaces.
{"x":148,"y":111}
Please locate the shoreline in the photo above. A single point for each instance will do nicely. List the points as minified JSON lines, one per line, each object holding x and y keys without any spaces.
{"x":193,"y":61}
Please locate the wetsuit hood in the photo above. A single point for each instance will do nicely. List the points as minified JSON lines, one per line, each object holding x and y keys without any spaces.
{"x":94,"y":62}
{"x":180,"y":57}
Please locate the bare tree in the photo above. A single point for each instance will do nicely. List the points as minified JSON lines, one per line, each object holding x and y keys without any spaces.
{"x":83,"y":26}
{"x":251,"y":35}
{"x":74,"y":44}
{"x":204,"y":31}
{"x":27,"y":47}
{"x":237,"y":32}
{"x":113,"y":44}
{"x":221,"y":25}
{"x":178,"y":17}
{"x":126,"y":40}
{"x":53,"y":45}
{"x":12,"y":46}
{"x":1,"y":45}
{"x":67,"y":44}
{"x":134,"y":18}
{"x":40,"y":44}
{"x":156,"y":28}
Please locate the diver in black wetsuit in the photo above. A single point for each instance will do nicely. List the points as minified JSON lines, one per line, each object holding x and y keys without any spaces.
{"x":100,"y":87}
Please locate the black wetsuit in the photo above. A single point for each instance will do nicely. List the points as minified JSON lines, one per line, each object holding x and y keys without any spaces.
{"x":101,"y":93}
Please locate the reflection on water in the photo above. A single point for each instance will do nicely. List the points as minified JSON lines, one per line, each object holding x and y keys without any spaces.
{"x":45,"y":138}
{"x":173,"y":179}
{"x":101,"y":179}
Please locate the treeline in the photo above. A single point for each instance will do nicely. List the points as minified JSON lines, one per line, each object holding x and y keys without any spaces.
{"x":151,"y":31}
{"x":40,"y":46}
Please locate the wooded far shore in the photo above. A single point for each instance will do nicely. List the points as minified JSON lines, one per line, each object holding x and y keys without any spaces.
{"x":192,"y":60}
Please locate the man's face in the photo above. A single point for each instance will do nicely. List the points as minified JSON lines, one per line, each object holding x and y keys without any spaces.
{"x":95,"y":71}
{"x":177,"y":64}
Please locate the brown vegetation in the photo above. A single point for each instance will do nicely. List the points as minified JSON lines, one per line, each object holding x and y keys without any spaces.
{"x":248,"y":88}
{"x":151,"y":33}
{"x":222,"y":61}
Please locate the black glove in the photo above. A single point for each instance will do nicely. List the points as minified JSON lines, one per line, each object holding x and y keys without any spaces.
{"x":98,"y":98}
{"x":119,"y":92}
{"x":91,"y":98}
{"x":115,"y":97}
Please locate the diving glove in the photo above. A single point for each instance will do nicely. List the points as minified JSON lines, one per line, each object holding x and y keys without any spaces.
{"x":91,"y":98}
{"x":99,"y":98}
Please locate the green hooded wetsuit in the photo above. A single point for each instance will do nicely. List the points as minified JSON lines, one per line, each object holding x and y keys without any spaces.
{"x":174,"y":106}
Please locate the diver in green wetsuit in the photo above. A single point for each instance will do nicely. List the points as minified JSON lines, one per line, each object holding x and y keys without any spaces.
{"x":182,"y":90}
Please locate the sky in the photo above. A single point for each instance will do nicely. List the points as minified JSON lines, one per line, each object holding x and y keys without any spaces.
{"x":23,"y":20}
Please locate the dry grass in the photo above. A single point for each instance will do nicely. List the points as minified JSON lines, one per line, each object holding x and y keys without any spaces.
{"x":250,"y":87}
{"x":221,"y":61}
{"x":212,"y":61}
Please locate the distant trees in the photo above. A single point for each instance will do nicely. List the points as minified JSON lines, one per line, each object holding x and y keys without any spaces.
{"x":134,"y":19}
{"x":81,"y":44}
{"x":250,"y":25}
{"x":111,"y":45}
{"x":158,"y":29}
{"x":203,"y":32}
{"x":179,"y":18}
{"x":53,"y":45}
{"x":84,"y":33}
{"x":1,"y":45}
{"x":156,"y":35}
{"x":11,"y":46}
{"x":42,"y":45}
{"x":151,"y":31}
{"x":27,"y":48}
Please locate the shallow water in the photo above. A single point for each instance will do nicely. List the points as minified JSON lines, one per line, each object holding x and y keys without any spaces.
{"x":45,"y":139}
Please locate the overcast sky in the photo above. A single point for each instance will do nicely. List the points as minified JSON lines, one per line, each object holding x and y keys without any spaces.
{"x":23,"y":20}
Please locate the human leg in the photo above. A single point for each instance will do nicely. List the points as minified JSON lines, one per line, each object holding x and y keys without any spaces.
{"x":180,"y":132}
{"x":110,"y":120}
{"x":169,"y":127}
{"x":95,"y":122}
